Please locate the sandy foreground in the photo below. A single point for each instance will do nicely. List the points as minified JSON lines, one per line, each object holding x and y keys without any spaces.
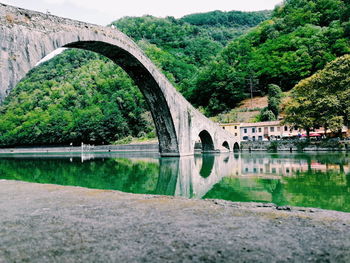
{"x":51,"y":223}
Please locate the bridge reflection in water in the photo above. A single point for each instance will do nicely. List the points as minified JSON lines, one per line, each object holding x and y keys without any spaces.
{"x":316,"y":180}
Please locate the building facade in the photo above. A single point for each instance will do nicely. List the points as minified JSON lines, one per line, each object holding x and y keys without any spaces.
{"x":272,"y":130}
{"x":233,"y":128}
{"x":262,"y":131}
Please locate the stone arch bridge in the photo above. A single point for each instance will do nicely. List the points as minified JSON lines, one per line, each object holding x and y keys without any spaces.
{"x":27,"y":36}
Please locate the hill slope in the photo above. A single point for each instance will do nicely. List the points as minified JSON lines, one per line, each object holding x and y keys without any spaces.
{"x":182,"y":46}
{"x":299,"y":39}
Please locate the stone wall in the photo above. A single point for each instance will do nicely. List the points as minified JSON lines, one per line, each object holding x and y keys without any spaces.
{"x":296,"y":145}
{"x":77,"y":149}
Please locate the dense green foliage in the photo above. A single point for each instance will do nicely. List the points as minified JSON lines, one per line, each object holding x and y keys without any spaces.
{"x":180,"y":47}
{"x":301,"y":37}
{"x":81,"y":97}
{"x":227,"y":19}
{"x":322,"y":100}
{"x":76,"y":97}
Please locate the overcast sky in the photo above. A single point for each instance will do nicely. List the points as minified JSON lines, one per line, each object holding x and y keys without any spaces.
{"x":103,"y":12}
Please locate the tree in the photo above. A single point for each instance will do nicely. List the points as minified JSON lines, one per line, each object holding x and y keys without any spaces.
{"x":267,"y":115}
{"x":300,"y":114}
{"x":274,"y":99}
{"x":322,"y":100}
{"x":271,"y":112}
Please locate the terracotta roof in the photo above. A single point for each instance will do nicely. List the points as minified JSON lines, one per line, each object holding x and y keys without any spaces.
{"x":261,"y":124}
{"x":230,"y":124}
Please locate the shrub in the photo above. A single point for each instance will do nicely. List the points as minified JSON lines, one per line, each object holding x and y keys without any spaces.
{"x":267,"y":115}
{"x":273,"y":146}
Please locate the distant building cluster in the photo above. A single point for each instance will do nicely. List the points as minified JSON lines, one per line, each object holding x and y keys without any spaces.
{"x":272,"y":130}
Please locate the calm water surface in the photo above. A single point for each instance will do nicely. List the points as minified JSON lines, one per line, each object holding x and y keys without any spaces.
{"x":310,"y":180}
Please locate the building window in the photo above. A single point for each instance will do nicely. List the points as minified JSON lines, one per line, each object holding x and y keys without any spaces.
{"x":223,"y":128}
{"x":235,"y":133}
{"x":285,"y":128}
{"x":260,"y":138}
{"x":272,"y":129}
{"x":245,"y":130}
{"x":295,"y":128}
{"x":253,"y":130}
{"x":235,"y":127}
{"x":259,"y":129}
{"x":245,"y":138}
{"x":253,"y":138}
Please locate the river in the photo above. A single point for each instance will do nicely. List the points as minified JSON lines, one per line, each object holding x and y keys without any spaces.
{"x":319,"y":180}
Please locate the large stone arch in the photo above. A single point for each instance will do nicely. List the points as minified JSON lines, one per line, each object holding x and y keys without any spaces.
{"x":27,"y":36}
{"x":147,"y":84}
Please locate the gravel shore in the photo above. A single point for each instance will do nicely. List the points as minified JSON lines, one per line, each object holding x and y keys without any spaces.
{"x":51,"y":223}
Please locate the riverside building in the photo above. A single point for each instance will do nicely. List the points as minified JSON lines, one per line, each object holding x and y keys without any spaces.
{"x":272,"y":130}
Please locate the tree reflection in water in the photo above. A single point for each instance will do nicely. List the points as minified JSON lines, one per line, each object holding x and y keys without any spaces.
{"x":312,"y":180}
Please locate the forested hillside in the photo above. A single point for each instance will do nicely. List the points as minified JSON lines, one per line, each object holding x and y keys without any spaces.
{"x":79,"y":96}
{"x":300,"y":38}
{"x":181,"y":47}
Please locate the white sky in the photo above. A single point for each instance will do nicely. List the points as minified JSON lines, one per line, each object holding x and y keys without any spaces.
{"x":103,"y":12}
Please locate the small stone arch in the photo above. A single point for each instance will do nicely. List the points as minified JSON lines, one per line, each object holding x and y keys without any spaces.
{"x":226,"y":145}
{"x":236,"y":147}
{"x":207,"y":141}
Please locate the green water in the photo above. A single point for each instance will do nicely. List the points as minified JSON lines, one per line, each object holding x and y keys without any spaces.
{"x":310,"y":180}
